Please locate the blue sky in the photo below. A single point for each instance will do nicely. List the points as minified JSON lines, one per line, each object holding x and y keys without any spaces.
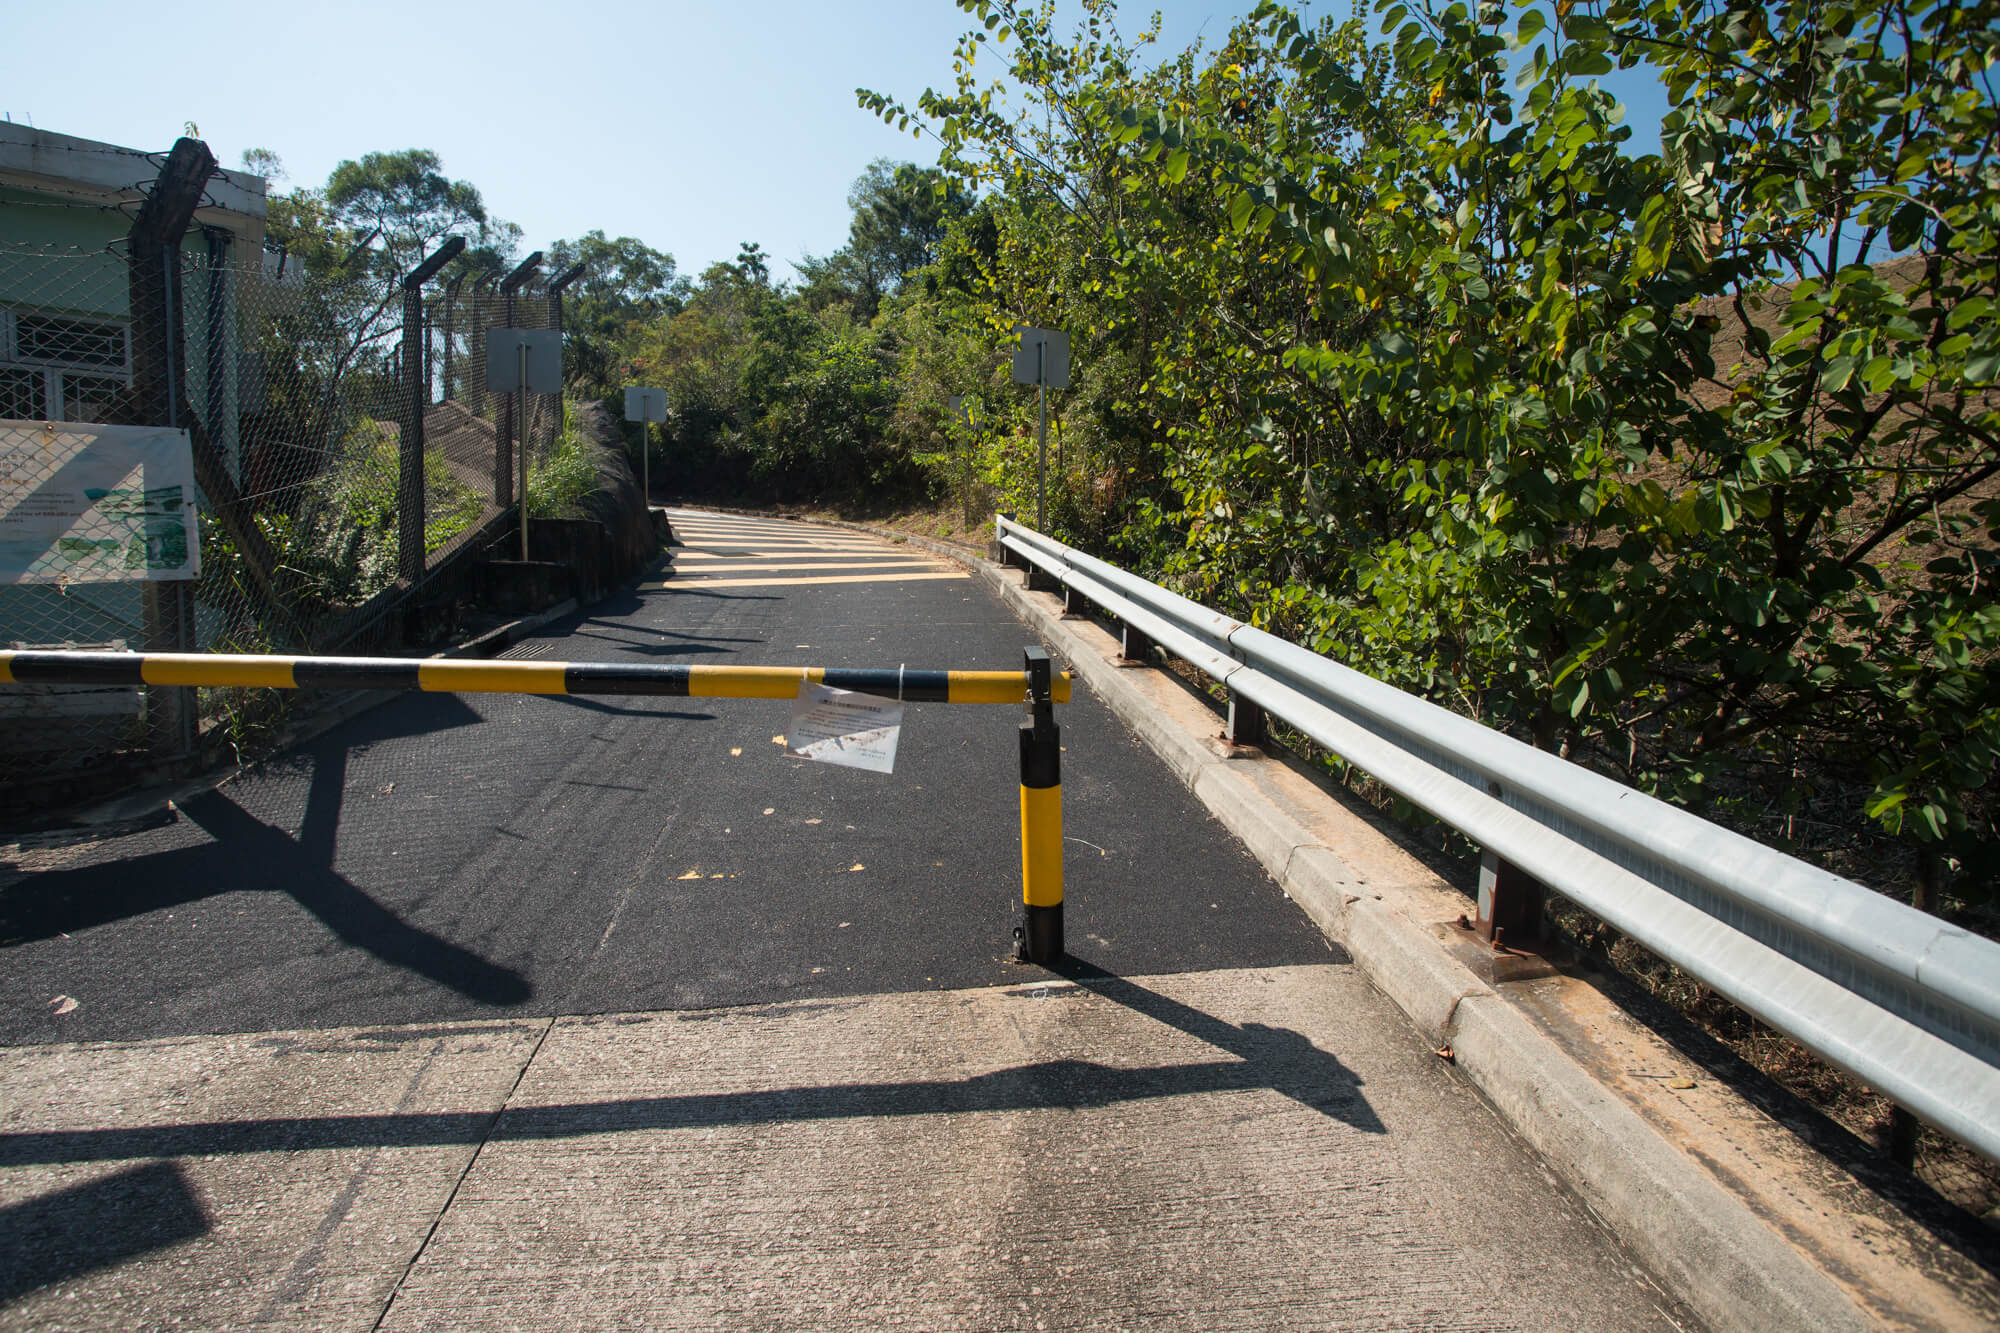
{"x":693,"y":126}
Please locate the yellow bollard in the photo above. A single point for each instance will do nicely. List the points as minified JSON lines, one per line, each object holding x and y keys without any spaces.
{"x":1041,"y":819}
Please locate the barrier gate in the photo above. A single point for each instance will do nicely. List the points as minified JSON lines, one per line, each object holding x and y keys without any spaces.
{"x":1037,"y":685}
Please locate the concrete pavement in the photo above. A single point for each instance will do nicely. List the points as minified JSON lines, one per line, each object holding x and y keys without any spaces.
{"x":1236,"y":1149}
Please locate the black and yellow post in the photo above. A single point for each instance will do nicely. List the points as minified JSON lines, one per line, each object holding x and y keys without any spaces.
{"x":1041,"y":818}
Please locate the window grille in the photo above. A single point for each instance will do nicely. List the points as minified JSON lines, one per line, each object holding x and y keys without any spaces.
{"x":52,"y":340}
{"x":21,"y":394}
{"x":39,"y":355}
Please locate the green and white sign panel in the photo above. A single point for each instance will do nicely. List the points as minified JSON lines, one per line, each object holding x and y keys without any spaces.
{"x":82,"y":503}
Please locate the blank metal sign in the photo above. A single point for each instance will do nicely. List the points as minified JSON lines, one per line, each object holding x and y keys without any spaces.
{"x":503,"y":360}
{"x":1042,"y":358}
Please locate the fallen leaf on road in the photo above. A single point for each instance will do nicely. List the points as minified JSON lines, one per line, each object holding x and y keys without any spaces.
{"x":777,"y":740}
{"x":62,"y":1004}
{"x":769,"y":809}
{"x":692,"y":874}
{"x":1680,"y":1084}
{"x":736,"y":749}
{"x":856,"y":866}
{"x":1444,"y":1053}
{"x":812,"y":821}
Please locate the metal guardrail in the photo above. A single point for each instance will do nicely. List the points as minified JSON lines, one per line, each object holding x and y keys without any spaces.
{"x":1901,"y":1000}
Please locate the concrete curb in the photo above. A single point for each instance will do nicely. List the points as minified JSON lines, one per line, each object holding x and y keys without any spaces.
{"x":1701,"y":1241}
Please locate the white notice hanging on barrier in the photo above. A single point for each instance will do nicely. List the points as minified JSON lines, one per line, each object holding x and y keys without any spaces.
{"x":846,"y":728}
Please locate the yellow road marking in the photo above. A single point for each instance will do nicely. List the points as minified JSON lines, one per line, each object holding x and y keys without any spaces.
{"x":786,"y":583}
{"x":712,"y":551}
{"x":758,"y":553}
{"x":785,"y":548}
{"x":705,"y":568}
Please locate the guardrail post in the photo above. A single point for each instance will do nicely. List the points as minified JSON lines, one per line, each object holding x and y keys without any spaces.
{"x":1041,"y":932}
{"x":996,"y":550}
{"x":1074,"y":602}
{"x":1510,"y":903}
{"x":1134,"y":647}
{"x":1040,"y":580}
{"x":1246,"y":722}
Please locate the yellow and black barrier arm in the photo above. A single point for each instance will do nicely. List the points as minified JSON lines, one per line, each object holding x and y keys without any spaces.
{"x":1041,"y":933}
{"x":462,"y":676}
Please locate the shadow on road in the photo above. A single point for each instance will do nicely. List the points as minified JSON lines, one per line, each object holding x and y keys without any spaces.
{"x":95,"y":1225}
{"x":1297,"y":1068}
{"x":670,"y":645}
{"x":246,"y":855}
{"x":599,"y":706}
{"x":695,"y":591}
{"x":1263,"y":1057}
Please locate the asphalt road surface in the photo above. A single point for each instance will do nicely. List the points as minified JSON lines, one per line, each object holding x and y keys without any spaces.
{"x":746,"y":1046}
{"x":450,"y":857}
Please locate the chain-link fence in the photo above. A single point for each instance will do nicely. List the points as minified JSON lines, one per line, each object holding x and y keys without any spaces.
{"x":318,"y":528}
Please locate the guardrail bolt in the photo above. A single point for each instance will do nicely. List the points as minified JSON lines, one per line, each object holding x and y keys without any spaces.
{"x":1041,"y":932}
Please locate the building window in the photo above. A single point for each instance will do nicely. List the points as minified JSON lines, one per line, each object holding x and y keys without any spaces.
{"x":62,"y":367}
{"x":21,"y":393}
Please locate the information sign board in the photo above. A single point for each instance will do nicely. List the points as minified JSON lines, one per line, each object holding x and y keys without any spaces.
{"x":85,"y":503}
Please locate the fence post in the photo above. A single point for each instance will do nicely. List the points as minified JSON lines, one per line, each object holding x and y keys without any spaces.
{"x":158,"y":397}
{"x":517,"y":421}
{"x":1041,"y":933}
{"x":159,"y":368}
{"x":561,"y":280}
{"x":450,"y":333}
{"x":416,"y":397}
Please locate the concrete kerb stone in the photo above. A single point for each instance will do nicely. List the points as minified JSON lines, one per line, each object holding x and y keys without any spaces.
{"x":1730,"y":1265}
{"x":1711,"y":1250}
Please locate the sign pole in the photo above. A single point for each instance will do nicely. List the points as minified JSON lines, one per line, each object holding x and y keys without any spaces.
{"x":1041,"y":437}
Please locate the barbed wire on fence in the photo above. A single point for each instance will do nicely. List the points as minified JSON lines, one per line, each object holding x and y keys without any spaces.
{"x":302,"y":390}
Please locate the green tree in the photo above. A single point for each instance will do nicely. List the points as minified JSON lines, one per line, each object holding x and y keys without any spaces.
{"x":1683,"y":464}
{"x":407,"y":206}
{"x":625,"y":284}
{"x":902,"y":214}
